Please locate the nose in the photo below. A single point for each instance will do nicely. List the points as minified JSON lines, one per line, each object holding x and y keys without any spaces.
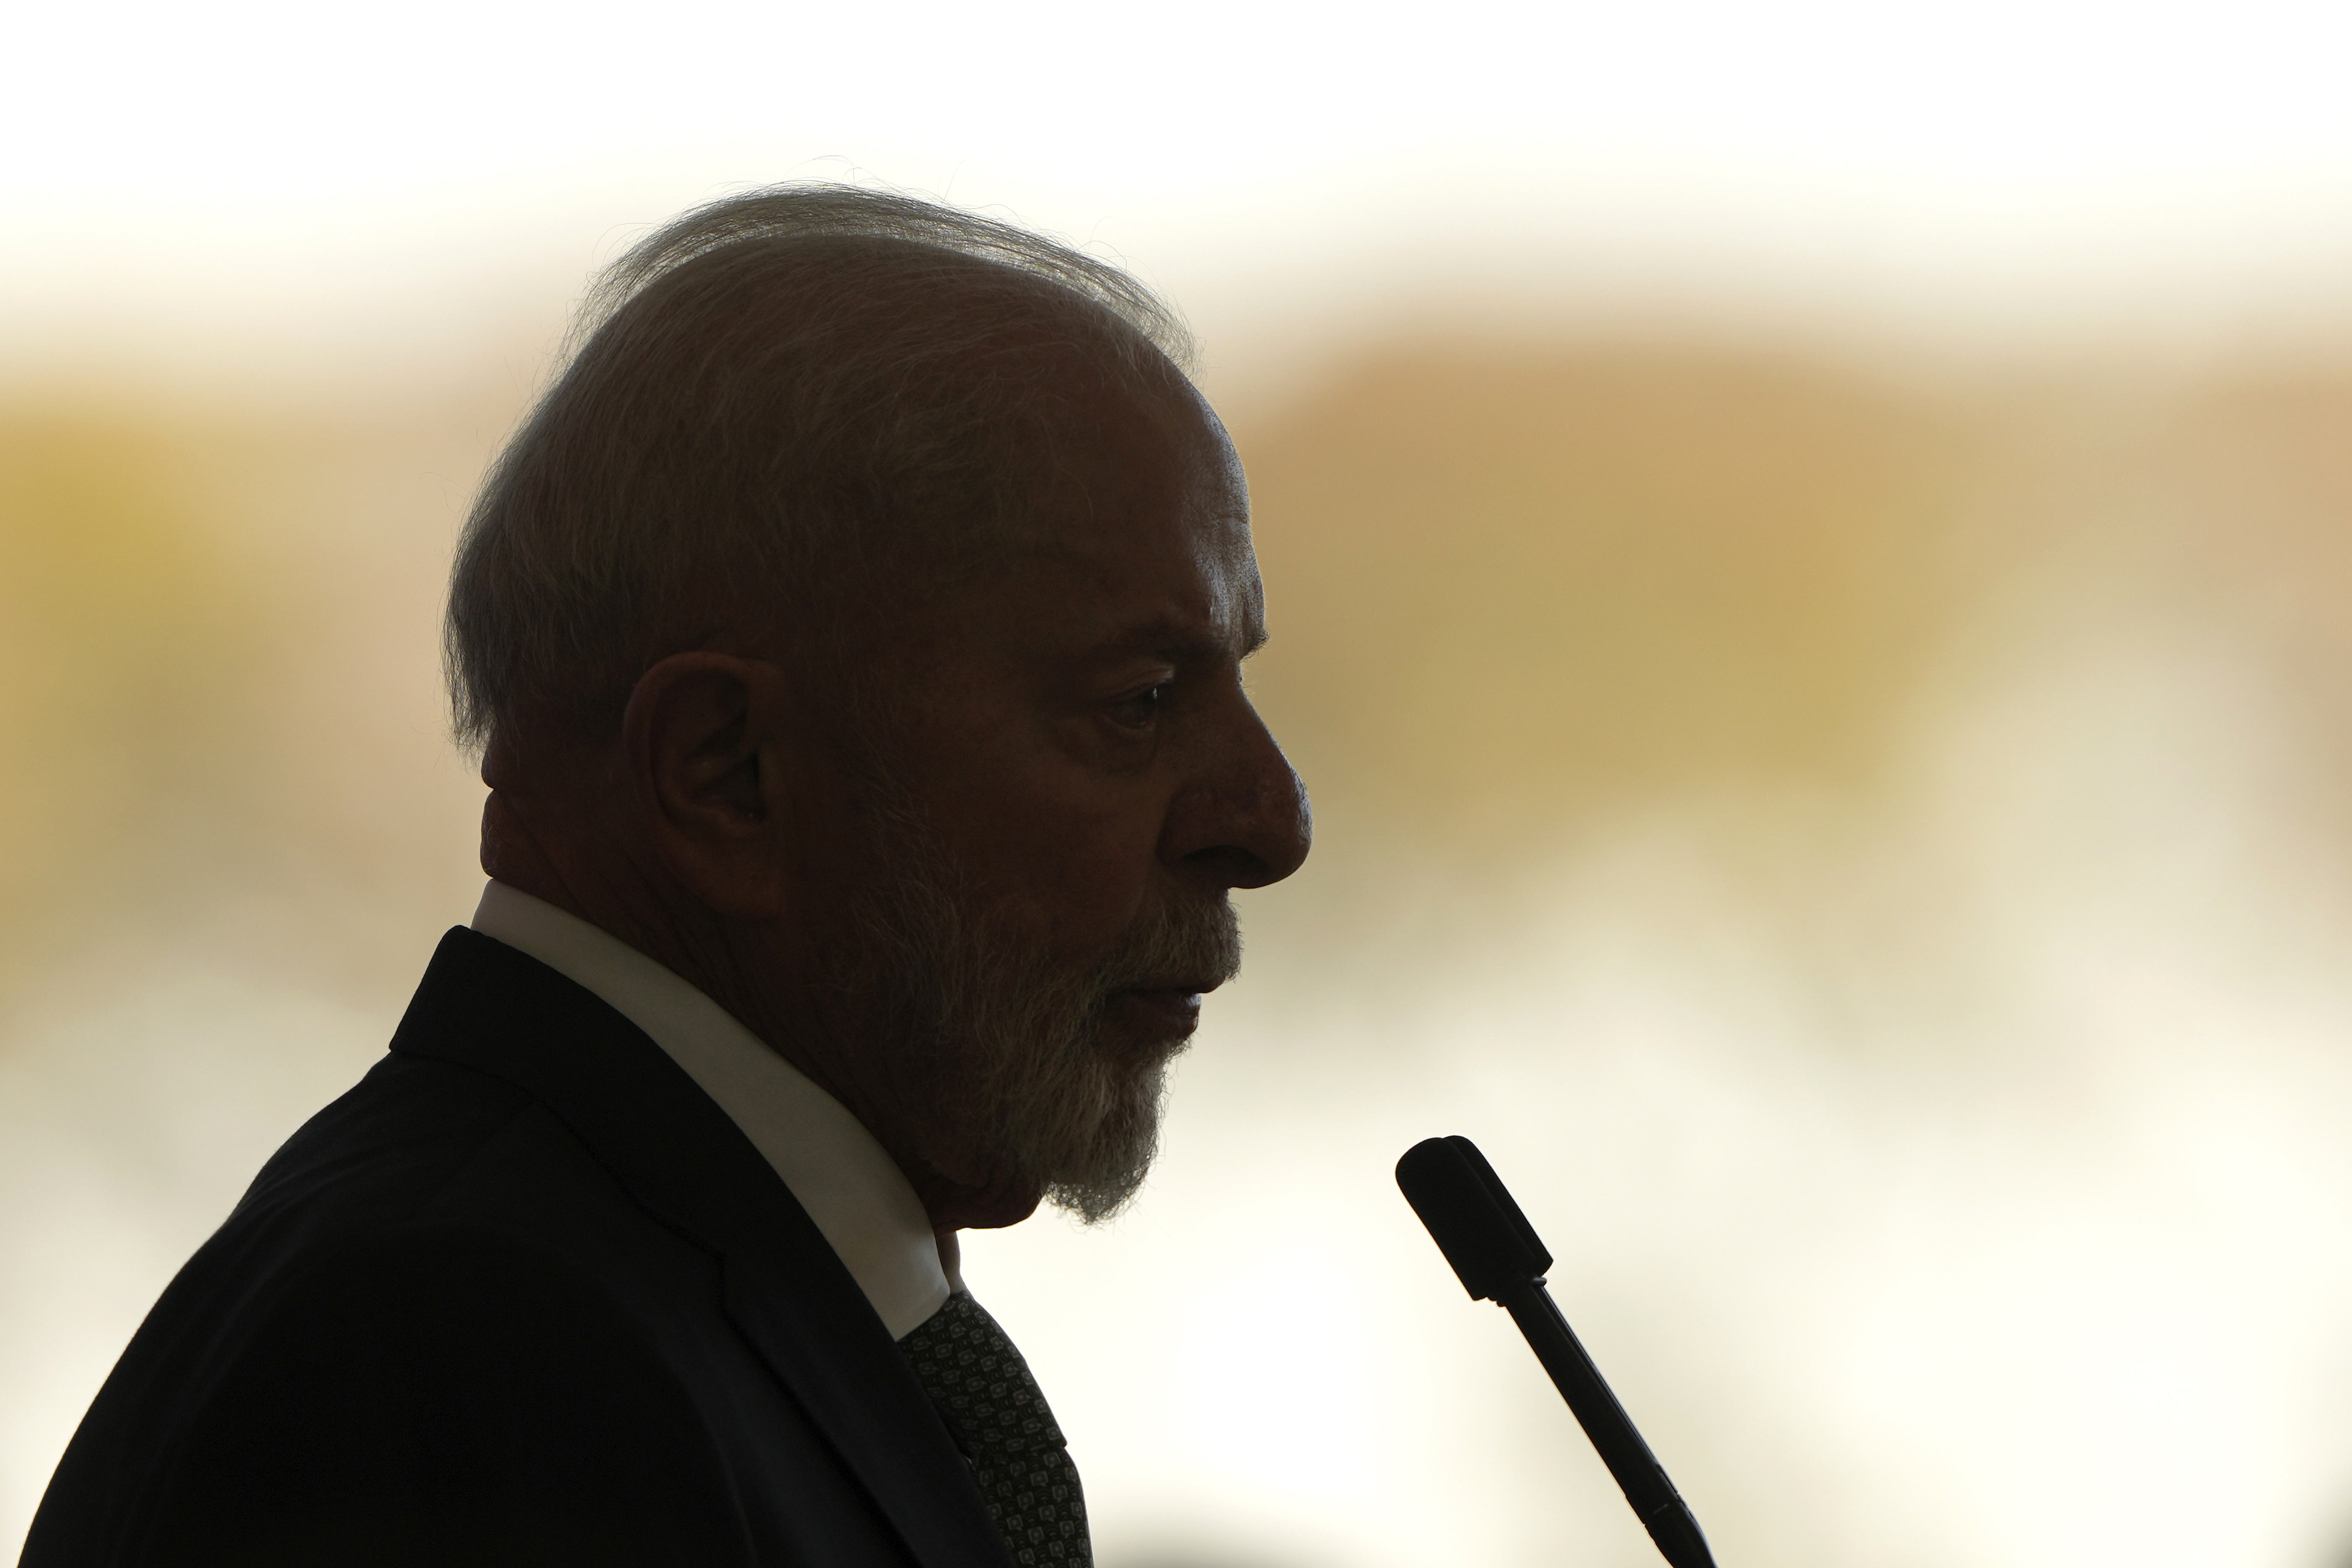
{"x":1245,"y":822}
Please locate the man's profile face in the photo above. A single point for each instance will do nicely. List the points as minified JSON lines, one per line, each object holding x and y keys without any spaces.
{"x":1078,"y":779}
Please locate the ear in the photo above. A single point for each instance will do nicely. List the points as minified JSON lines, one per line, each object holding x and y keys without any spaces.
{"x":706,"y":741}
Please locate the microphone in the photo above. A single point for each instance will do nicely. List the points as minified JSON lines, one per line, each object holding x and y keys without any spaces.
{"x":1499,"y":1259}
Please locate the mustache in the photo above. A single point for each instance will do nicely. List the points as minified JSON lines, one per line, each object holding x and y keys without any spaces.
{"x":1193,"y":943}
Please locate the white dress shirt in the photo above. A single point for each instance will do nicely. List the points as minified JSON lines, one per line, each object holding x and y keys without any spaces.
{"x":850,"y":1187}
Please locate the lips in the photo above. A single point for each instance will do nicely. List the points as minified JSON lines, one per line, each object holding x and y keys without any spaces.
{"x":1171,"y":1011}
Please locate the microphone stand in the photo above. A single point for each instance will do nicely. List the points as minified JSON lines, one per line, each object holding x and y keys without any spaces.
{"x":1482,"y":1232}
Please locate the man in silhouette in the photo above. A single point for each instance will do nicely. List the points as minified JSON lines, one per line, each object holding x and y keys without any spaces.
{"x":853,"y":636}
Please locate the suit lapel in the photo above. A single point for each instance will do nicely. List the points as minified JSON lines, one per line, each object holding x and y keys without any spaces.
{"x":485,"y":1006}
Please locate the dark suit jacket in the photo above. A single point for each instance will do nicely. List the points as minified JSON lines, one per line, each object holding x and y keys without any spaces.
{"x":524,"y":1295}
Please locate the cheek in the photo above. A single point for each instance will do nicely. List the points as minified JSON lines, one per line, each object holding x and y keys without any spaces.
{"x":1099,"y":882}
{"x":1074,"y":857}
{"x":1034,"y":824}
{"x":1084,"y":868}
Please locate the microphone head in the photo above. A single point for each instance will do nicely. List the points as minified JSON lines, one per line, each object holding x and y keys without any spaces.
{"x":1471,"y":1216}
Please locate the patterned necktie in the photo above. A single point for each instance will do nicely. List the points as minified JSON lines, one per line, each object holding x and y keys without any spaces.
{"x":983,"y":1391}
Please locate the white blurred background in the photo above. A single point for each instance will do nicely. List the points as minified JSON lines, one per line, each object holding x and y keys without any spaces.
{"x":1808,"y":549}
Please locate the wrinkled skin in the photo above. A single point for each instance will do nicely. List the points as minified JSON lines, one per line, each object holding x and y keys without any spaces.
{"x":1068,"y":723}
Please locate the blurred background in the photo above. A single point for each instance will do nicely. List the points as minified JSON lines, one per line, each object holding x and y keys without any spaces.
{"x":1808,"y":549}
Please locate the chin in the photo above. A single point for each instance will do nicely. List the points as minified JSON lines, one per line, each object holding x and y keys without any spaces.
{"x":1108,"y":1177}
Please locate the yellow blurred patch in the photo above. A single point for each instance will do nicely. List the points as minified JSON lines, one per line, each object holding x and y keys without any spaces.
{"x":126,"y":631}
{"x":1511,"y":588}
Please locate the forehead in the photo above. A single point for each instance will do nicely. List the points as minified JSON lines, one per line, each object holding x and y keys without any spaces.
{"x":1149,"y":526}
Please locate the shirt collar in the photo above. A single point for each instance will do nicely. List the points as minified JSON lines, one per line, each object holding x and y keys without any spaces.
{"x":850,"y":1186}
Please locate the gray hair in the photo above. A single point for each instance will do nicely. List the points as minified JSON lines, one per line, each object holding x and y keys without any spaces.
{"x":766,"y":397}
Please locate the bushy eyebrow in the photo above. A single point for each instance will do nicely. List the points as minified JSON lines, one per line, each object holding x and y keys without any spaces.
{"x":1182,"y":642}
